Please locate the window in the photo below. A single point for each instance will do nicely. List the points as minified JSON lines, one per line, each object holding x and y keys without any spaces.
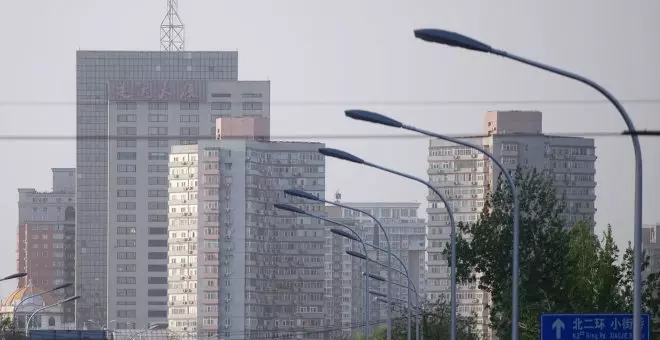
{"x":189,"y":131}
{"x":220,"y":95}
{"x":157,"y":193}
{"x":158,"y":156}
{"x":128,"y":268}
{"x":157,"y":280}
{"x":158,"y":106}
{"x":126,"y":218}
{"x":157,"y":131}
{"x":126,"y":230}
{"x":157,"y":243}
{"x":189,"y":119}
{"x":157,"y":168}
{"x":157,"y":180}
{"x":126,"y":205}
{"x":220,"y":106}
{"x":126,"y":243}
{"x":189,"y":105}
{"x":157,"y":268}
{"x":157,"y":230}
{"x":158,"y":143}
{"x":126,"y":156}
{"x":251,"y":95}
{"x":154,"y":118}
{"x":157,"y":218}
{"x":126,"y":106}
{"x":126,"y":143}
{"x":157,"y":205}
{"x":126,"y":255}
{"x":126,"y":131}
{"x":252,"y":106}
{"x":126,"y":313}
{"x":126,"y":280}
{"x":125,"y":193}
{"x":126,"y":118}
{"x":126,"y":180}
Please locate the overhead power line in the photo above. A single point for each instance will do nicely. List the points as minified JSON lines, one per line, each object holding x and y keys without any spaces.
{"x":315,"y":137}
{"x":394,"y":103}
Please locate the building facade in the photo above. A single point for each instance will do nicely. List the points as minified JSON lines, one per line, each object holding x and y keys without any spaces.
{"x":238,"y":268}
{"x":651,"y":245}
{"x":145,"y":102}
{"x":344,"y":282}
{"x":465,"y":177}
{"x":407,"y":237}
{"x":46,"y":237}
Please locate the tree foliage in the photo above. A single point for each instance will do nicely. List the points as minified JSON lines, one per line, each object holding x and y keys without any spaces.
{"x":562,"y":269}
{"x":435,"y":324}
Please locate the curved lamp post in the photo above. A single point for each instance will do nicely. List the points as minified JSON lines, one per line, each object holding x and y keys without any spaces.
{"x":99,"y":325}
{"x":352,"y":236}
{"x":458,"y":40}
{"x":69,"y":299}
{"x":352,"y":158}
{"x":62,"y":286}
{"x":306,"y":195}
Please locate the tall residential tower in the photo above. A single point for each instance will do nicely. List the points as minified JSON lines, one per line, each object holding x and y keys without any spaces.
{"x":466,"y":176}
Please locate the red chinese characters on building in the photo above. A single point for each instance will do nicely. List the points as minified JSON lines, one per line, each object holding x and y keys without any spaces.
{"x":122,"y":91}
{"x":143,"y":90}
{"x":188,"y":90}
{"x":164,"y":91}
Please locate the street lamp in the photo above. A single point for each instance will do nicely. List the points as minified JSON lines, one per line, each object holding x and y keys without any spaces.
{"x":352,"y":236}
{"x":458,"y":40}
{"x":62,"y":286}
{"x":306,"y":195}
{"x":352,"y":158}
{"x":69,"y":299}
{"x":13,"y":276}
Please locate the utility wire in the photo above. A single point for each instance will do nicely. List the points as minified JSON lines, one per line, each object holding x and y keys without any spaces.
{"x":390,"y":103}
{"x":641,"y":133}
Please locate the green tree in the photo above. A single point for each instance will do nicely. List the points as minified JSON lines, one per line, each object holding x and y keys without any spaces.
{"x":435,"y":323}
{"x":485,"y":248}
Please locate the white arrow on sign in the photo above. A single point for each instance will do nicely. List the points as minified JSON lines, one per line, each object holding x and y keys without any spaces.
{"x":558,"y":326}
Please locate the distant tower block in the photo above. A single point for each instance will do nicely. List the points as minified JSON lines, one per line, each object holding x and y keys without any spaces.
{"x":172,"y":34}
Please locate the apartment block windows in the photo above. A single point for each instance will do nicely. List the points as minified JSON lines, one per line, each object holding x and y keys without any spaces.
{"x":189,"y":131}
{"x":189,"y":119}
{"x":252,"y":106}
{"x":157,"y":131}
{"x":126,"y":156}
{"x":126,"y":143}
{"x":158,"y":156}
{"x":126,"y":131}
{"x":158,"y":106}
{"x":126,"y":118}
{"x":126,"y":106}
{"x":220,"y":106}
{"x":126,"y":167}
{"x":156,"y":118}
{"x":125,"y":193}
{"x":158,"y":143}
{"x":189,"y":105}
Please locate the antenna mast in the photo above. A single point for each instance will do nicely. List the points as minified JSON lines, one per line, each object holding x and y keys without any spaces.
{"x":172,"y":35}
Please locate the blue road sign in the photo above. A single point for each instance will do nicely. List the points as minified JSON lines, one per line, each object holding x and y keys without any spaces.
{"x":591,"y":327}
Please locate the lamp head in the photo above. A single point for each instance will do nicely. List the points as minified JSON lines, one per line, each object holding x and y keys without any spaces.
{"x":335,"y":153}
{"x":288,"y":207}
{"x":373,"y":117}
{"x":301,"y":194}
{"x":451,"y":39}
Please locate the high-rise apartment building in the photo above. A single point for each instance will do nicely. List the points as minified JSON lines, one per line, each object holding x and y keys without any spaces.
{"x":46,"y":236}
{"x":465,"y":177}
{"x":344,"y":282}
{"x":131,"y":108}
{"x":407,"y":236}
{"x":651,"y":245}
{"x":238,"y":268}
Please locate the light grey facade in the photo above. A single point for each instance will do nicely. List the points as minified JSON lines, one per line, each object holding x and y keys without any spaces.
{"x":651,"y":245}
{"x":249,"y":271}
{"x":144,"y":102}
{"x":407,"y":236}
{"x":466,"y":176}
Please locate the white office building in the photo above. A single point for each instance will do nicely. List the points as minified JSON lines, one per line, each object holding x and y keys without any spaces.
{"x":465,"y":176}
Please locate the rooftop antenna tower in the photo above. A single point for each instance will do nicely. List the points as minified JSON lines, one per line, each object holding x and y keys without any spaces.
{"x":172,"y":34}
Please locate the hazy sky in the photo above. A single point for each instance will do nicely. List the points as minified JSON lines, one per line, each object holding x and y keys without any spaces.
{"x":326,"y":56}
